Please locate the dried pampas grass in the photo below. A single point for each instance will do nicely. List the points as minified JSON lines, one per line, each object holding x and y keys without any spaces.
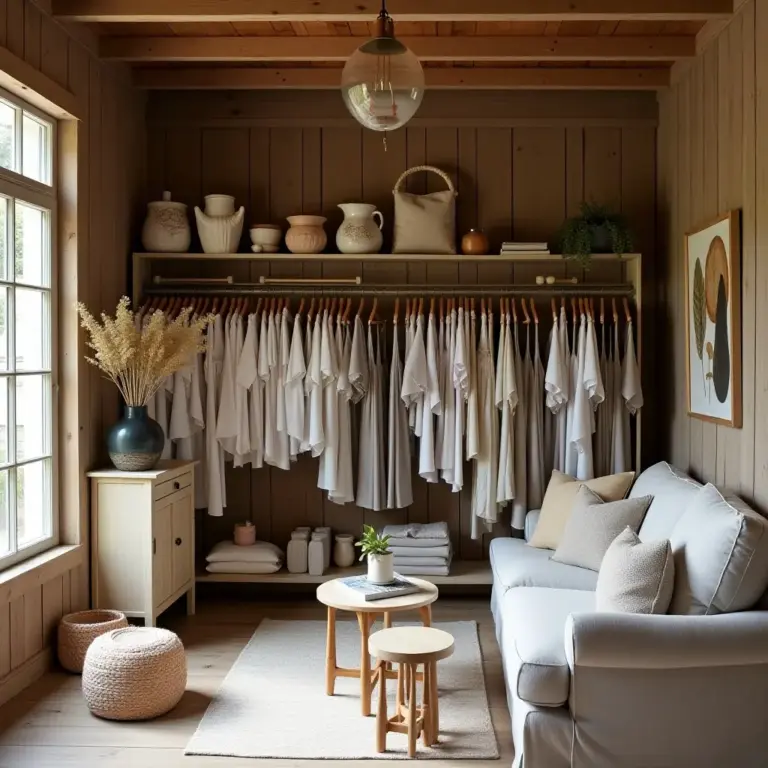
{"x":139,"y":359}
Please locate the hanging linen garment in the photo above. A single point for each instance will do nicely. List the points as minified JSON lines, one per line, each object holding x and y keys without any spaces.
{"x":415,"y":381}
{"x":593,"y":380}
{"x":161,"y":414}
{"x":484,"y":508}
{"x":520,"y":419}
{"x":280,"y":371}
{"x":473,"y":425}
{"x":313,"y":388}
{"x":214,"y":361}
{"x":304,"y":447}
{"x":581,"y":427}
{"x":571,"y":454}
{"x":248,"y":378}
{"x":537,"y":479}
{"x":440,"y":425}
{"x":461,"y":391}
{"x":412,"y":404}
{"x":631,"y":390}
{"x":506,"y":397}
{"x":448,"y":400}
{"x":619,"y":414}
{"x":431,"y":407}
{"x":604,"y":415}
{"x":358,"y":363}
{"x":294,"y":390}
{"x":399,"y":489}
{"x":226,"y":422}
{"x":556,"y":386}
{"x":269,"y":406}
{"x":242,"y":453}
{"x":345,"y":491}
{"x":371,"y":481}
{"x":328,"y":469}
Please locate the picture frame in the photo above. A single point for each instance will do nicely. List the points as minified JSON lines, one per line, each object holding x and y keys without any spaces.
{"x":713,"y":321}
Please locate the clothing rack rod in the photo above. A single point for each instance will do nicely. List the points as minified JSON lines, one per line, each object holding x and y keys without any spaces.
{"x":400,"y":290}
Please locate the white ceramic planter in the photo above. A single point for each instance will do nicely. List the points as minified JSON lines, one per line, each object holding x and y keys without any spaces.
{"x":344,"y":550}
{"x":166,"y":229}
{"x":381,"y":568}
{"x":219,"y":226}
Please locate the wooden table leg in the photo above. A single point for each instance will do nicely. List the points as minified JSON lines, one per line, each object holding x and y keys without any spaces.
{"x":412,"y":711}
{"x":426,"y":615}
{"x":381,"y":716}
{"x":365,"y":664}
{"x":426,"y":706}
{"x":435,"y":715}
{"x":330,"y":653}
{"x":387,"y":619}
{"x":400,"y":690}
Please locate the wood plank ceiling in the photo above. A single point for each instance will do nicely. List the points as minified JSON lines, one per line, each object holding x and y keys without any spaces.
{"x":604,"y":44}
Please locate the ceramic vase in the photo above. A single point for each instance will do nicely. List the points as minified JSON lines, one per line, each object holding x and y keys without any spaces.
{"x":381,"y":568}
{"x":359,"y":232}
{"x":136,"y":441}
{"x":219,"y":226}
{"x":166,"y":228}
{"x":306,"y":234}
{"x":344,"y":550}
{"x":245,"y":534}
{"x":474,"y":243}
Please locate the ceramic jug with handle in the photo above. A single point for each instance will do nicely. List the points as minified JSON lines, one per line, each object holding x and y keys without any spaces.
{"x":359,"y":232}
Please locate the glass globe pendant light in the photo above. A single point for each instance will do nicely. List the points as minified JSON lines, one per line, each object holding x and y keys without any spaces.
{"x":383,"y":82}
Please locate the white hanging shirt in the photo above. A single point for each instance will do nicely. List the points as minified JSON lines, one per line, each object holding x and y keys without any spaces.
{"x":243,"y":438}
{"x":448,"y":401}
{"x":461,"y":391}
{"x":226,"y":422}
{"x":571,"y":454}
{"x":593,"y":380}
{"x":620,"y":426}
{"x":523,"y":372}
{"x":431,"y":407}
{"x":248,"y":379}
{"x":304,"y":447}
{"x":345,"y":491}
{"x":282,"y":355}
{"x":631,"y":389}
{"x":507,"y":403}
{"x":327,"y":477}
{"x":556,"y":380}
{"x":473,"y":424}
{"x":358,"y":364}
{"x":294,"y":389}
{"x":399,"y":490}
{"x":313,"y":387}
{"x":214,"y":360}
{"x":535,"y":453}
{"x":415,"y":381}
{"x":371,"y":481}
{"x":440,"y":427}
{"x":581,"y":428}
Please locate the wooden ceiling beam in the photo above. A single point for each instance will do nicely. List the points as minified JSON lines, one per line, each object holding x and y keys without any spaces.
{"x":244,"y":78}
{"x":522,"y":48}
{"x":404,"y":10}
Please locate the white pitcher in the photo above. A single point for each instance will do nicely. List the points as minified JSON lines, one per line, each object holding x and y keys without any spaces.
{"x":219,"y":227}
{"x":359,"y":233}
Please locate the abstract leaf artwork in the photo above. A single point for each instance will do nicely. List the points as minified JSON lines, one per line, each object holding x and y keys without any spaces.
{"x":713,"y":320}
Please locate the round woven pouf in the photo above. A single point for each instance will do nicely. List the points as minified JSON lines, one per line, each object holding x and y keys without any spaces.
{"x":78,"y":630}
{"x":134,"y":673}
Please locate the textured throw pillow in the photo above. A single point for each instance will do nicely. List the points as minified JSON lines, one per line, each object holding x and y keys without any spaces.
{"x":721,"y":555}
{"x":635,"y":577}
{"x":559,"y":498}
{"x":594,"y":524}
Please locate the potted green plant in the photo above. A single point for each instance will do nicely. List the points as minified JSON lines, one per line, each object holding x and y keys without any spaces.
{"x":595,"y":230}
{"x":375,"y":548}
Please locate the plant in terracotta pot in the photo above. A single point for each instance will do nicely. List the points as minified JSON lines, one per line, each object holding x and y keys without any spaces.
{"x":375,"y":548}
{"x":138,"y":358}
{"x":595,"y":230}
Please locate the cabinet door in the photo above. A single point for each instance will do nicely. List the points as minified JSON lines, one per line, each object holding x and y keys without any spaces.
{"x":162,"y":544}
{"x":183,"y":516}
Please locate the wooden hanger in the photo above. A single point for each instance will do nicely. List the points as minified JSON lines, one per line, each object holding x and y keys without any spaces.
{"x":407,"y":310}
{"x":554,"y":309}
{"x":215,"y":308}
{"x":490,"y":306}
{"x":397,"y":310}
{"x":602,"y":310}
{"x":482,"y":306}
{"x":527,"y":320}
{"x":514,"y":310}
{"x":573,"y":309}
{"x":360,"y":308}
{"x":615,"y":313}
{"x":534,"y":312}
{"x":346,"y":310}
{"x":301,"y":307}
{"x":421,"y":306}
{"x":627,"y":313}
{"x":372,"y":316}
{"x":442,"y":315}
{"x":432,"y":307}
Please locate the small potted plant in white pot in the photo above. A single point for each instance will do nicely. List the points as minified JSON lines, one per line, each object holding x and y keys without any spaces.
{"x":375,"y":548}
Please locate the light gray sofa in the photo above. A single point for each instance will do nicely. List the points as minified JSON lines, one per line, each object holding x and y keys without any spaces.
{"x":608,"y":690}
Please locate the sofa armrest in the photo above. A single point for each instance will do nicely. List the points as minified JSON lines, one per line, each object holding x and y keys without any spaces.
{"x":531,"y":521}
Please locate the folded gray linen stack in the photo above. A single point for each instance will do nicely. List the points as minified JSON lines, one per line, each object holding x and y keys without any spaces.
{"x":420,"y":549}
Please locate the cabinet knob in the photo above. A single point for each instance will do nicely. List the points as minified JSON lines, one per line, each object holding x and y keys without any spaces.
{"x":178,"y":542}
{"x":176,"y":485}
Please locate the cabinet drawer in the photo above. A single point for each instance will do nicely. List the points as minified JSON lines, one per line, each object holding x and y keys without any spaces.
{"x":167,"y":487}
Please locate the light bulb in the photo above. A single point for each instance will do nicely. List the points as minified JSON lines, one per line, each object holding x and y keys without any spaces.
{"x":382,"y":83}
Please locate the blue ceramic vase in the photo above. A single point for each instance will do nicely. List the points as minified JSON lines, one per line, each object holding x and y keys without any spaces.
{"x":136,"y":441}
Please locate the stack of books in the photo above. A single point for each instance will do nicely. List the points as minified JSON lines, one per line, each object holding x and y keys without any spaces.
{"x":512,"y":247}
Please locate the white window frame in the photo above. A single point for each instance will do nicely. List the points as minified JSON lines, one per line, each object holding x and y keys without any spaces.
{"x":42,"y":195}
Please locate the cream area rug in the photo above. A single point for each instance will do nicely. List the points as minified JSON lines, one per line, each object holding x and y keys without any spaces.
{"x":272,"y":704}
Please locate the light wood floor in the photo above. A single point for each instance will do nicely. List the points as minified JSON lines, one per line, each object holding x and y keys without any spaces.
{"x":49,"y":726}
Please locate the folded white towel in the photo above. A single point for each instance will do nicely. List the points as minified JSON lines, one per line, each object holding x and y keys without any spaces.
{"x":407,"y":561}
{"x":444,"y":551}
{"x":421,"y":543}
{"x":260,"y":552}
{"x":417,"y":531}
{"x":243,"y":567}
{"x":423,"y":570}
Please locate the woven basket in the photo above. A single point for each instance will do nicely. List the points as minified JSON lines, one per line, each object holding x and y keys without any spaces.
{"x":78,"y":630}
{"x":134,"y":673}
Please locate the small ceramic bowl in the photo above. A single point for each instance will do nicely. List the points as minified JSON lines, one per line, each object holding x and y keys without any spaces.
{"x":270,"y":248}
{"x":266,"y":234}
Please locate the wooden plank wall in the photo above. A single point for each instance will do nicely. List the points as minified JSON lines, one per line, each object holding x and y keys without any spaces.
{"x":110,"y":181}
{"x":712,"y":158}
{"x":522,"y":164}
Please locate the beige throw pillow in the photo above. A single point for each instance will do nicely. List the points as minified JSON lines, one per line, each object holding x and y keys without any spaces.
{"x":559,"y":498}
{"x":594,"y":524}
{"x":635,"y":576}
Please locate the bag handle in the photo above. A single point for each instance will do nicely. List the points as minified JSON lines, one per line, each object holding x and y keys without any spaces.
{"x":416,"y":169}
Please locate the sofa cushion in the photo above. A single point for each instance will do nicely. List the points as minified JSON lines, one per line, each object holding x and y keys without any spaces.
{"x":532,"y":641}
{"x":559,"y":498}
{"x":721,"y":555}
{"x":672,"y":491}
{"x":516,"y":564}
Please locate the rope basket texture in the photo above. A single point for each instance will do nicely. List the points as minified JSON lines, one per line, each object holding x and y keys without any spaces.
{"x":135,"y":673}
{"x":78,"y":630}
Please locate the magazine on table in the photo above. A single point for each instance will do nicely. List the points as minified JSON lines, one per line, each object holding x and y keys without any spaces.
{"x":397,"y":588}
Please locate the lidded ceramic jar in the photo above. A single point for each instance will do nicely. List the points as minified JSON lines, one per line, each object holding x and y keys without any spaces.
{"x":306,"y":234}
{"x":166,"y":228}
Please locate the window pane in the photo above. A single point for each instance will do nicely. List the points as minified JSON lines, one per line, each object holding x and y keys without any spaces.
{"x":31,"y":239}
{"x":5,"y":457}
{"x":4,"y":205}
{"x":4,"y":292}
{"x":35,"y":162}
{"x":33,"y":502}
{"x":7,"y":136}
{"x":33,"y":410}
{"x":32,"y":330}
{"x":5,"y":538}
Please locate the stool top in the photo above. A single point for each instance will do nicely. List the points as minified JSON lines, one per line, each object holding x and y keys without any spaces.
{"x":411,"y":645}
{"x":337,"y":595}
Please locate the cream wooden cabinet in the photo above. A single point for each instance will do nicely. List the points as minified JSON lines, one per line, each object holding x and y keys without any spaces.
{"x":143,"y":539}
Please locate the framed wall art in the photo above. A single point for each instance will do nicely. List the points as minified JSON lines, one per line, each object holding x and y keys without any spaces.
{"x":713,"y":321}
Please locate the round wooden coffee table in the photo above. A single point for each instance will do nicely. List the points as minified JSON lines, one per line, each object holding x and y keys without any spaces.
{"x":338,"y":597}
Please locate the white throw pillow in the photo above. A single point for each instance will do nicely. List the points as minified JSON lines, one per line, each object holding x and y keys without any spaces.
{"x":243,"y":567}
{"x":635,"y":576}
{"x":594,"y":524}
{"x":260,"y":552}
{"x":721,"y":555}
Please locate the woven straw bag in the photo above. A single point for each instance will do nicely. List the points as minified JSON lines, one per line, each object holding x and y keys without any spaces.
{"x":78,"y":630}
{"x":425,"y":223}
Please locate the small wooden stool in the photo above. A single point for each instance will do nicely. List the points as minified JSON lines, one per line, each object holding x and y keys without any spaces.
{"x":409,"y":647}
